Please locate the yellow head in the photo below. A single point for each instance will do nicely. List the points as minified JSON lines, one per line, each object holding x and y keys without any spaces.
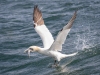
{"x":32,"y":49}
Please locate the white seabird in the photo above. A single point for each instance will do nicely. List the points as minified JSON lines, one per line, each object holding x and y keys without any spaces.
{"x":52,"y":47}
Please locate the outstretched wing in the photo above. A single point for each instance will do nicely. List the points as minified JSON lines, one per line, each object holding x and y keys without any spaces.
{"x":61,"y":37}
{"x":41,"y":29}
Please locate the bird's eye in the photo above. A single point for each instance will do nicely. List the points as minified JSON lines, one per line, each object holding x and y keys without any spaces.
{"x":31,"y":48}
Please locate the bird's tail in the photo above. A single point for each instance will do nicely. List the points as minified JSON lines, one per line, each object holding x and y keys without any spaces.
{"x":69,"y":55}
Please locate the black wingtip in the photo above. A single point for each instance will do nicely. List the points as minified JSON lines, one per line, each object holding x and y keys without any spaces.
{"x":76,"y":11}
{"x":36,"y":6}
{"x":37,"y":16}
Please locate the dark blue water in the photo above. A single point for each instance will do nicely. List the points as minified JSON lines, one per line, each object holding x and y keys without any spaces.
{"x":17,"y":34}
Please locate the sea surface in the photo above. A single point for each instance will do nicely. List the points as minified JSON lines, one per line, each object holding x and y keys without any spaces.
{"x":17,"y":34}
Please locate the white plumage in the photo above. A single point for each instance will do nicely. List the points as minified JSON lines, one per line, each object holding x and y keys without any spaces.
{"x":45,"y":35}
{"x":51,"y":46}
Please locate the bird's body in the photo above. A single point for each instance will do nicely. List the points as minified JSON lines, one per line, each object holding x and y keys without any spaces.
{"x":56,"y":55}
{"x":51,"y":47}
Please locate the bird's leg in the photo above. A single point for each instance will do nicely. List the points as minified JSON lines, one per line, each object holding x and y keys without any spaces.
{"x":56,"y":63}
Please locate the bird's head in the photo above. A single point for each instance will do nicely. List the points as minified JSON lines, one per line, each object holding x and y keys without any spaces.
{"x":32,"y":49}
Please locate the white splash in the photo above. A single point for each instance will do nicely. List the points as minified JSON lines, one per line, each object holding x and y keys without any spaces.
{"x":84,"y":40}
{"x":82,"y":43}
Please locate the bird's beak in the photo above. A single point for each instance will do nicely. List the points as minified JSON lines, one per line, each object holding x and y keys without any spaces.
{"x":27,"y":51}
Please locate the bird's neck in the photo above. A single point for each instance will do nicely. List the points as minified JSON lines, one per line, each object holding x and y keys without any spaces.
{"x":42,"y":50}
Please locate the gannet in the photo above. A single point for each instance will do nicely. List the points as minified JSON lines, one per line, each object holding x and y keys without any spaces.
{"x":52,"y":47}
